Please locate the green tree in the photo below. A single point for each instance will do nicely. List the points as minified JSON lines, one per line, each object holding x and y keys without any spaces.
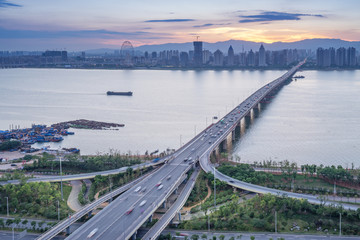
{"x":221,"y":237}
{"x":204,"y":236}
{"x":9,"y":222}
{"x":33,"y":224}
{"x":252,"y":238}
{"x":194,"y":237}
{"x":17,"y":220}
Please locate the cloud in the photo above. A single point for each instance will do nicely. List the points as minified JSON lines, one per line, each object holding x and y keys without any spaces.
{"x":5,"y":4}
{"x":204,"y":25}
{"x":274,"y":16}
{"x":172,"y":20}
{"x":99,"y":33}
{"x":210,"y":24}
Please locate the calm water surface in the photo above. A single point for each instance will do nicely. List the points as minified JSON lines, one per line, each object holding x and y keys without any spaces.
{"x":315,"y":119}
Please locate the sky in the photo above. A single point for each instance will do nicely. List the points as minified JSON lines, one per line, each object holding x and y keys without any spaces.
{"x":77,"y":25}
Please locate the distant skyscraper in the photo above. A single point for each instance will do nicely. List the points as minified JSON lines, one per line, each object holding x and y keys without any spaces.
{"x":198,"y":53}
{"x":351,"y":56}
{"x":320,"y":57}
{"x":230,"y":59}
{"x":340,"y":57}
{"x":251,"y":58}
{"x":184,"y":59}
{"x":262,"y":62}
{"x":206,"y":56}
{"x":218,"y":58}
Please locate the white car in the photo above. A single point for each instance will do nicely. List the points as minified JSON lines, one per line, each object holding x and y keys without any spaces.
{"x":137,"y":189}
{"x":160,"y":187}
{"x":142,"y":203}
{"x":92,"y":233}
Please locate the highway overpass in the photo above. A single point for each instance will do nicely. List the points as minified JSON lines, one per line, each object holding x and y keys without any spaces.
{"x":122,"y":218}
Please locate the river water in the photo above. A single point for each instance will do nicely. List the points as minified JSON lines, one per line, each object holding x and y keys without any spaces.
{"x":311,"y":120}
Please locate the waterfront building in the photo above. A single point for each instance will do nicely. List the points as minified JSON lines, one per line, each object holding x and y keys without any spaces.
{"x":198,"y":58}
{"x":262,"y":62}
{"x":251,"y":58}
{"x":218,"y":58}
{"x":230,"y":58}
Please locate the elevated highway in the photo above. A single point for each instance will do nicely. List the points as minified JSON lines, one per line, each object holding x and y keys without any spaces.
{"x":122,"y":218}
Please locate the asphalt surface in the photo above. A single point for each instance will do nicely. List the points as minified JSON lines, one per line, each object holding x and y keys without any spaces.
{"x":59,"y":227}
{"x":121,"y":218}
{"x":160,"y":225}
{"x":73,"y":201}
{"x":81,"y":176}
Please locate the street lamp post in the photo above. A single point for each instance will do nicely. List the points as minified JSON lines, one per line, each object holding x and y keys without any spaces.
{"x":7,"y":205}
{"x":62,"y":196}
{"x":58,"y":210}
{"x":340,"y":226}
{"x":275,"y":222}
{"x":214,"y":190}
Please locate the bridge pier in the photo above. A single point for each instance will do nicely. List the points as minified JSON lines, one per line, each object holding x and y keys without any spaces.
{"x":133,"y":237}
{"x":179,"y":215}
{"x":89,"y":214}
{"x":237,"y":131}
{"x":68,"y":232}
{"x":150,"y":218}
{"x":163,"y":205}
{"x":176,"y":190}
{"x":256,"y":111}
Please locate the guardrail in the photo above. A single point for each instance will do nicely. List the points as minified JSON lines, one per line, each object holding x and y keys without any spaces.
{"x":60,"y":226}
{"x":160,"y":225}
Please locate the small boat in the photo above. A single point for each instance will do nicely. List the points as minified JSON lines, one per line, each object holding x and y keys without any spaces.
{"x":119,"y":93}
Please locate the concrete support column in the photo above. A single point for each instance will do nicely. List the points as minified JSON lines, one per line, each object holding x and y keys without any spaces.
{"x":179,"y":214}
{"x":256,"y":112}
{"x":150,"y":218}
{"x":176,"y":190}
{"x":163,"y":205}
{"x":90,"y":213}
{"x":68,"y":230}
{"x":133,"y":237}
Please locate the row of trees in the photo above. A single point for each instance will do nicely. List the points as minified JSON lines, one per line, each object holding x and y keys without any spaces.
{"x":73,"y":163}
{"x":258,"y":214}
{"x":32,"y":199}
{"x":8,"y":145}
{"x":244,"y":172}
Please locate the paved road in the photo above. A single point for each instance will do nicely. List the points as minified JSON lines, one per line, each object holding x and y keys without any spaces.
{"x":121,"y":218}
{"x":72,"y":219}
{"x":85,"y":175}
{"x":160,"y":225}
{"x":73,"y":201}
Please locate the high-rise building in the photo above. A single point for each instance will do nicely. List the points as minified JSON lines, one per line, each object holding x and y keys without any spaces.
{"x":251,"y":58}
{"x":230,"y":58}
{"x":262,"y":62}
{"x":198,"y":58}
{"x":206,"y":56}
{"x":340,"y":58}
{"x":184,"y":59}
{"x":351,"y":56}
{"x":218,"y":58}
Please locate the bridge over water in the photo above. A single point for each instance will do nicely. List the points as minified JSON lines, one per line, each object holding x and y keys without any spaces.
{"x":126,"y":214}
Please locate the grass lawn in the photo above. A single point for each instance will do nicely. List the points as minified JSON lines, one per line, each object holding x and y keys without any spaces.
{"x":308,"y":182}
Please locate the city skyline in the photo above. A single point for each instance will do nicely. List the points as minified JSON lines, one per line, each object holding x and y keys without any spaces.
{"x":81,"y":25}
